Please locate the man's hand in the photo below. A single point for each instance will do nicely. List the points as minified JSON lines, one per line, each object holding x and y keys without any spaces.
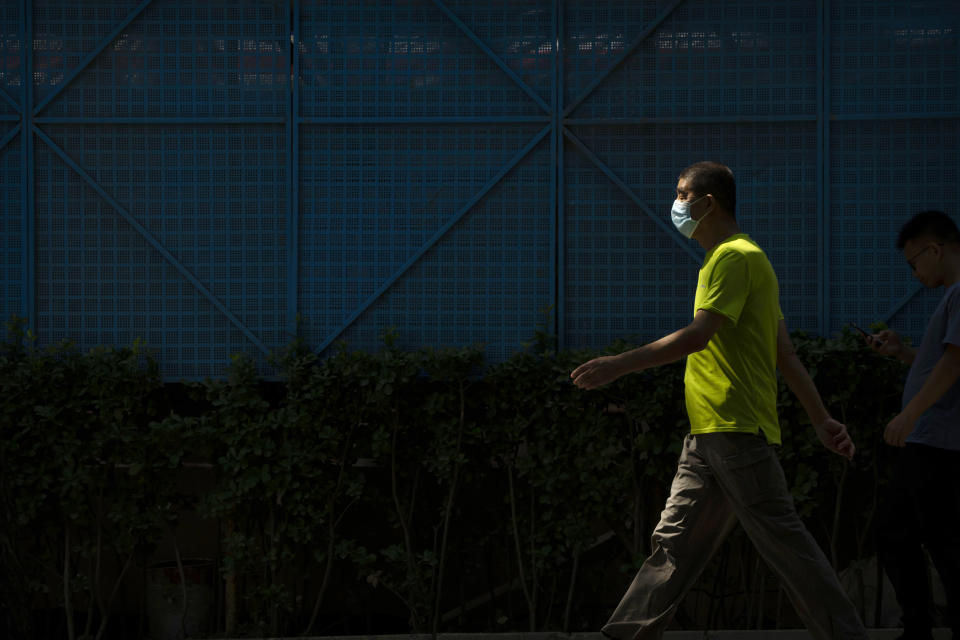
{"x":887,"y":343}
{"x":898,"y":429}
{"x":834,"y":436}
{"x":597,"y":372}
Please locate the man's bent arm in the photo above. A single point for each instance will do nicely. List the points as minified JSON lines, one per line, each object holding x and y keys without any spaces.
{"x":831,"y":433}
{"x":798,"y":378}
{"x":945,"y":373}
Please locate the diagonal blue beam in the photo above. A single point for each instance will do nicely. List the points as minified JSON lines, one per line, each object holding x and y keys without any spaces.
{"x":493,"y":56}
{"x":13,"y":103}
{"x":900,"y":304}
{"x":103,"y":44}
{"x":10,"y":136}
{"x":366,"y":304}
{"x":630,"y":193}
{"x":623,"y":56}
{"x":151,"y":240}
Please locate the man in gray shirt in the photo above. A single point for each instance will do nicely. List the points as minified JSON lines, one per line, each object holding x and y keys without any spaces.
{"x":922,"y":508}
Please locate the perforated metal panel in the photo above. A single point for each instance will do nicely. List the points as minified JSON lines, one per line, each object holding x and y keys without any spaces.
{"x":775,"y":167}
{"x":703,"y":59}
{"x":404,"y":59}
{"x":11,"y":225}
{"x":425,"y":199}
{"x":373,"y":201}
{"x":171,"y":59}
{"x":218,"y":176}
{"x":213,"y":199}
{"x":162,"y":177}
{"x":732,"y":82}
{"x":894,"y":58}
{"x":894,"y":140}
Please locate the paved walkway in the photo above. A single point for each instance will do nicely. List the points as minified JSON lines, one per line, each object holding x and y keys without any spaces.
{"x":792,"y":634}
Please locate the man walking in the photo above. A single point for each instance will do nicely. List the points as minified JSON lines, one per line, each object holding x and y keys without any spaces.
{"x":922,"y":505}
{"x":728,"y":471}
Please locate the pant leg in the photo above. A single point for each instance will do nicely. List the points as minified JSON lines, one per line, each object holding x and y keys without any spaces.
{"x":900,"y":543}
{"x":937,"y":499}
{"x":752,"y":478}
{"x":694,"y":523}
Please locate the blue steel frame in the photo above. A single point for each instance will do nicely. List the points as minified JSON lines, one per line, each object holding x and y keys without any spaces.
{"x":557,"y":119}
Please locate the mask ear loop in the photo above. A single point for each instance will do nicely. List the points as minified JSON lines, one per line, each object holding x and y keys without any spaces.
{"x":690,"y":207}
{"x":705,"y":214}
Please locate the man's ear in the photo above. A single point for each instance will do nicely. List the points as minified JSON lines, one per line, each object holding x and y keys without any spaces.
{"x":711,"y":204}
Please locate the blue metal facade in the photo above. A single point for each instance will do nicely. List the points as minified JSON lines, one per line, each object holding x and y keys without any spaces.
{"x":217,"y":176}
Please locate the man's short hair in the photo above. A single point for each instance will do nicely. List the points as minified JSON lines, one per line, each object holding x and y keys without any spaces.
{"x":933,"y":225}
{"x":713,"y":178}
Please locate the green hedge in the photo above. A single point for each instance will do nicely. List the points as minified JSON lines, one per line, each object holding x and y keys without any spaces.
{"x":471,"y":475}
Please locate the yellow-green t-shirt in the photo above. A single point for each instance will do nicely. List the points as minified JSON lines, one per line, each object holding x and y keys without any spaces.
{"x":731,"y":385}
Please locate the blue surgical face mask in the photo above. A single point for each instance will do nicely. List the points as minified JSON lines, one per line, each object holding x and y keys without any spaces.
{"x":680,"y":215}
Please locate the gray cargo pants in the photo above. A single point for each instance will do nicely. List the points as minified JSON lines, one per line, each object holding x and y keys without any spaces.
{"x":723,"y":478}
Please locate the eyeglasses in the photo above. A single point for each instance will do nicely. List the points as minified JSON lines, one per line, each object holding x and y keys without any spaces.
{"x":912,"y":266}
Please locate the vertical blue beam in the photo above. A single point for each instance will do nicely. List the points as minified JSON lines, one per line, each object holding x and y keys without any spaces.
{"x":293,"y":162}
{"x":559,"y":231}
{"x":27,"y":183}
{"x":823,"y":167}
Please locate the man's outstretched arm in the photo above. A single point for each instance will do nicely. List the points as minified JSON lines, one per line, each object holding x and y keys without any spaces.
{"x":832,"y":433}
{"x":944,"y":375}
{"x":670,"y":348}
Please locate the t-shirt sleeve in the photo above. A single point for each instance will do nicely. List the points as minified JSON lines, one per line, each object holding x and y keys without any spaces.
{"x":727,"y":287}
{"x":951,"y":334}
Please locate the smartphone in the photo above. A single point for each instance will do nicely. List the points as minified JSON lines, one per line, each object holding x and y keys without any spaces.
{"x":862,"y":332}
{"x":866,"y":335}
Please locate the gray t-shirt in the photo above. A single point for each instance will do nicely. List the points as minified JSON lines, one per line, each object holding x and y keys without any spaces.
{"x":939,"y":426}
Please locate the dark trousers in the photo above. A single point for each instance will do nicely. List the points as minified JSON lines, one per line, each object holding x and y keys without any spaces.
{"x":723,"y":478}
{"x":922,"y":509}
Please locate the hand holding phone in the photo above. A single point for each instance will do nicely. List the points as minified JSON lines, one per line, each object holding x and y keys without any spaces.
{"x":870,"y":338}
